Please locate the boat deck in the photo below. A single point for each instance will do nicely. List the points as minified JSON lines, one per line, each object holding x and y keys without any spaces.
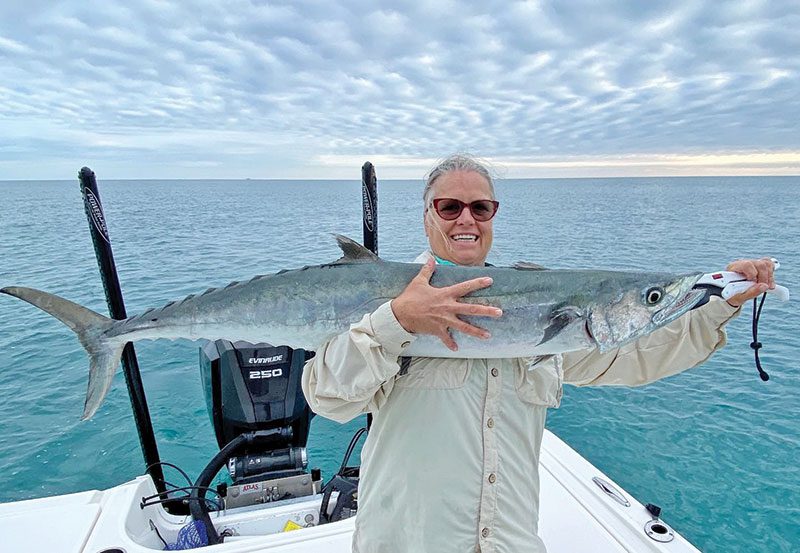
{"x":576,"y":516}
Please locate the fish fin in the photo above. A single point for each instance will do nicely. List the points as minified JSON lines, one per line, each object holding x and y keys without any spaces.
{"x":532,"y":362}
{"x":560,"y":319}
{"x":104,"y":353}
{"x":353,"y":251}
{"x":104,"y":358}
{"x":528,"y":266}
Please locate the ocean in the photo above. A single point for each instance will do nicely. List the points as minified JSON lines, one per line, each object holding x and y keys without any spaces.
{"x":715,"y":447}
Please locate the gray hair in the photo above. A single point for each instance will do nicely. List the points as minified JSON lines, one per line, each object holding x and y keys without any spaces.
{"x":455,"y":162}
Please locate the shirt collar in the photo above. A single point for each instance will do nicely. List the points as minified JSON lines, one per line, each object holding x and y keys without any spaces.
{"x":424,"y":256}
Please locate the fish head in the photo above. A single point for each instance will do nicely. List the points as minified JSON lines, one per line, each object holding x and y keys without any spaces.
{"x":639,"y":304}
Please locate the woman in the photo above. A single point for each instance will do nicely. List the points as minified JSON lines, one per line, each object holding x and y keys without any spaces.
{"x":451,"y":461}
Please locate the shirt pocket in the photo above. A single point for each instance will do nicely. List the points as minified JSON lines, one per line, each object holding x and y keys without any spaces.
{"x":434,"y":374}
{"x":539,"y":380}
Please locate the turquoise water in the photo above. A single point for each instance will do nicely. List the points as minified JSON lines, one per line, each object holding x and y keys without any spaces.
{"x":715,"y":447}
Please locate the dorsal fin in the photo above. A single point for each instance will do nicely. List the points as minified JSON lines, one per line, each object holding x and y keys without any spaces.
{"x":353,"y":251}
{"x":528,"y":266}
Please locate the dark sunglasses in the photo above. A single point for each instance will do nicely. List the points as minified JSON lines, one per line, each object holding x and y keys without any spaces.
{"x":449,"y":209}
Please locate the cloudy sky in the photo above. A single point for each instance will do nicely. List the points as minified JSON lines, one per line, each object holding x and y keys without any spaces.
{"x":312,"y":89}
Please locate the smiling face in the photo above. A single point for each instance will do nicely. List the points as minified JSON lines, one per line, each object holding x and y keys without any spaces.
{"x":464,"y":241}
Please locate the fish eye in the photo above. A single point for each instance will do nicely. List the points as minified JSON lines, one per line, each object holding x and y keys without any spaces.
{"x":653,"y":295}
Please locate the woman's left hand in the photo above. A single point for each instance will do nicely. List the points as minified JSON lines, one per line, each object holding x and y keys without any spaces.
{"x":761,"y":271}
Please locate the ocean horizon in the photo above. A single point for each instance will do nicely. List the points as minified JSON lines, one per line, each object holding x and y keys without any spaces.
{"x":596,"y":180}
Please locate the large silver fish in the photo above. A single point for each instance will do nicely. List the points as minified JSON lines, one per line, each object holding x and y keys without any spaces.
{"x":544,"y":311}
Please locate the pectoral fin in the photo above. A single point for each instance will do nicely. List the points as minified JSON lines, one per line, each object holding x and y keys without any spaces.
{"x":560,"y":319}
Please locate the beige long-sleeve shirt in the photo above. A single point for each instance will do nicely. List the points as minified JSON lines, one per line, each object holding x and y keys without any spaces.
{"x":451,"y":461}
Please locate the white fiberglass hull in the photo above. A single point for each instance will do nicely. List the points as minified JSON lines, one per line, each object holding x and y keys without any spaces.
{"x":575,"y":516}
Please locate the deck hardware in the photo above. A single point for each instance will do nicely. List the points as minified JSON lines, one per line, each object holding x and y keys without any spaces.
{"x":659,"y":531}
{"x":656,"y":529}
{"x":611,"y":490}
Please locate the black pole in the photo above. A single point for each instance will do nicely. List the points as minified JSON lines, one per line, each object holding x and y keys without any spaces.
{"x":116,"y":307}
{"x":369,"y":206}
{"x":369,"y":210}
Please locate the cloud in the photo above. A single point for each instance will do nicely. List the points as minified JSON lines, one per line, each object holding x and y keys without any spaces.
{"x":226,"y":89}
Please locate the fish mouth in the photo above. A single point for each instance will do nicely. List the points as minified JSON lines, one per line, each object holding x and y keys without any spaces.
{"x":678,"y":307}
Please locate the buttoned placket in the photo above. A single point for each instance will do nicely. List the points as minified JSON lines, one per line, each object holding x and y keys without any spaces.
{"x":488,"y":505}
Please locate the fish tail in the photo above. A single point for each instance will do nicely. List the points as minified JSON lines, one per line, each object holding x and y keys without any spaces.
{"x":104,"y":352}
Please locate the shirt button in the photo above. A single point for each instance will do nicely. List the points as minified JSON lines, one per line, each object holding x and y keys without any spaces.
{"x":490,"y":423}
{"x":485,"y":532}
{"x":492,"y":478}
{"x":405,"y":344}
{"x":494,"y":371}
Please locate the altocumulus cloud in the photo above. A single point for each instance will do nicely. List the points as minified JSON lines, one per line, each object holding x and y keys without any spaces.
{"x":312,"y":89}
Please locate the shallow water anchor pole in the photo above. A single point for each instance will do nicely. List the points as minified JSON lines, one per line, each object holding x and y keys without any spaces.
{"x":369,"y":206}
{"x":369,"y":210}
{"x":116,"y":307}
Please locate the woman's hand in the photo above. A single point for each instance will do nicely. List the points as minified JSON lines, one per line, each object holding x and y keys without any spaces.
{"x":425,"y":309}
{"x":761,"y":271}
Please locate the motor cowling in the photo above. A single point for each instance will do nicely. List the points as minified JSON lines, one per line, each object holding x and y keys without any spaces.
{"x":256,"y":387}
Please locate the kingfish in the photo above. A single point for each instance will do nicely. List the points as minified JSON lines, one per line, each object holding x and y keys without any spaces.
{"x":545,"y":312}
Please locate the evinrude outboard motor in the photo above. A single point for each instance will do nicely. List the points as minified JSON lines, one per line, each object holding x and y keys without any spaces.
{"x":261,"y":421}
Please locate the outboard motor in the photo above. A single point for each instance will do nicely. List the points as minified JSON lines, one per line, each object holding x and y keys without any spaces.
{"x":261,"y":421}
{"x":255,"y":401}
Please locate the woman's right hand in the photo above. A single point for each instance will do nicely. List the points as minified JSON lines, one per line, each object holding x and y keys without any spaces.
{"x":425,"y":309}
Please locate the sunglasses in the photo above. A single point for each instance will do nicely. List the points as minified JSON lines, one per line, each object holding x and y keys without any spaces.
{"x":450,"y":209}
